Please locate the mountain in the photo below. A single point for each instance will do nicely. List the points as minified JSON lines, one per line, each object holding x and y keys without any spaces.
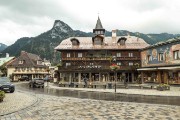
{"x":2,"y":47}
{"x":42,"y":44}
{"x":45,"y":43}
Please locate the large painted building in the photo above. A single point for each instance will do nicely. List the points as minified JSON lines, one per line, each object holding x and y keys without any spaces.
{"x":90,"y":57}
{"x":161,"y":62}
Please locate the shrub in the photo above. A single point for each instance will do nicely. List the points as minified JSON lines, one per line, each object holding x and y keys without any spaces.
{"x":162,"y":87}
{"x":2,"y":95}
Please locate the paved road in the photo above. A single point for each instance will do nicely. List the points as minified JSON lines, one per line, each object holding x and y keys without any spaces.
{"x":49,"y":107}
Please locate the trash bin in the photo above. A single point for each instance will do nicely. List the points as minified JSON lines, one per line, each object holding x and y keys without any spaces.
{"x":109,"y":85}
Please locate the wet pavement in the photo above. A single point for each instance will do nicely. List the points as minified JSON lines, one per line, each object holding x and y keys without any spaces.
{"x":49,"y":107}
{"x":65,"y":108}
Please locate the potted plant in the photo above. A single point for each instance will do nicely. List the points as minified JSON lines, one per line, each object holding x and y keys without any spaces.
{"x":162,"y":87}
{"x":2,"y":95}
{"x":114,"y":67}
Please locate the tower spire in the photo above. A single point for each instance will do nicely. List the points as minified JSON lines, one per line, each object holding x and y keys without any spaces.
{"x":99,"y":30}
{"x":99,"y":24}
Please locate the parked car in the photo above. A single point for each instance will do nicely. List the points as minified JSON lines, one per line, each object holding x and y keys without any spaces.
{"x":36,"y":82}
{"x":24,"y":78}
{"x":6,"y":85}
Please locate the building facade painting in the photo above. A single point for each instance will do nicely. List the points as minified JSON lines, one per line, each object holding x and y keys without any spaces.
{"x":161,"y":62}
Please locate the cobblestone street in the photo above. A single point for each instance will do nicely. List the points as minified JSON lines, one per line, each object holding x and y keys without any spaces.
{"x":49,"y":107}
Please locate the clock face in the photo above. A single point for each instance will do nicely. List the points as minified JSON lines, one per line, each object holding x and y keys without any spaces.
{"x":154,"y":53}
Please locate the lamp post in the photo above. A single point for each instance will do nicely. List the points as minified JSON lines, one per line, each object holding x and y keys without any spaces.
{"x":114,"y":67}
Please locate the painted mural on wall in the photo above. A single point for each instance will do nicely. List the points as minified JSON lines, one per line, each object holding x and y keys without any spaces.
{"x":160,"y":55}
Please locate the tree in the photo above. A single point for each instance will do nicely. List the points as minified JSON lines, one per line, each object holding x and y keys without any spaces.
{"x":3,"y":69}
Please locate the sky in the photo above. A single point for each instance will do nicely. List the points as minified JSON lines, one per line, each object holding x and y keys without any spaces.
{"x":29,"y":18}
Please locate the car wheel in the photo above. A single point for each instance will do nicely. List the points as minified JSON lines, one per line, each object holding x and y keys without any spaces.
{"x":11,"y":91}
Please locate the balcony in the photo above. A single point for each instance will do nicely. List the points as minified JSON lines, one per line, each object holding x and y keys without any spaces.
{"x":29,"y":71}
{"x":92,"y":68}
{"x":100,"y":58}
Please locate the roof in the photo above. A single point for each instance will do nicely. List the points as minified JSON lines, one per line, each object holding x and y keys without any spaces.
{"x":165,"y":42}
{"x":30,"y":60}
{"x":98,"y":24}
{"x":132,"y":42}
{"x":5,"y":60}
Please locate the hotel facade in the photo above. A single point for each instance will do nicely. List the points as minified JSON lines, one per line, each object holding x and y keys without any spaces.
{"x":91,"y":57}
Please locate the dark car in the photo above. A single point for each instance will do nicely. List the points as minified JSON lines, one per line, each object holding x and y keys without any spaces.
{"x":36,"y":82}
{"x":24,"y":78}
{"x":6,"y":85}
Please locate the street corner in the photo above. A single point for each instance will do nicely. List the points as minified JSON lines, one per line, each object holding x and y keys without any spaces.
{"x":16,"y":101}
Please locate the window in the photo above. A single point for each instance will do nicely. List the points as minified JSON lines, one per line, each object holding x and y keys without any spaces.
{"x":74,"y":42}
{"x":130,"y":63}
{"x":91,"y":64}
{"x":79,"y":54}
{"x":119,"y":63}
{"x":39,"y":62}
{"x":21,"y":61}
{"x":160,"y":57}
{"x":176,"y":55}
{"x":68,"y":64}
{"x":118,"y":54}
{"x":97,"y":42}
{"x":122,"y":42}
{"x":130,"y":54}
{"x":68,"y":55}
{"x":149,"y":57}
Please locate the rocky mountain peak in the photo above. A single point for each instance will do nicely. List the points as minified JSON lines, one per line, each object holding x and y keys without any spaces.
{"x":60,"y":27}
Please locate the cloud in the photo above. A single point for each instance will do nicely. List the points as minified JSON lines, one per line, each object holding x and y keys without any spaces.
{"x":21,"y":18}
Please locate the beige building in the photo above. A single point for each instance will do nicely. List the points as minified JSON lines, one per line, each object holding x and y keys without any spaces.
{"x":27,"y":65}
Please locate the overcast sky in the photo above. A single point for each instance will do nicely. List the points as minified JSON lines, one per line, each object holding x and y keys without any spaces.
{"x":29,"y":18}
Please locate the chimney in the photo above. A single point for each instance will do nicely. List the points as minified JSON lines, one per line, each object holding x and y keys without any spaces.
{"x":113,"y":36}
{"x":128,"y":34}
{"x":7,"y":55}
{"x":113,"y":33}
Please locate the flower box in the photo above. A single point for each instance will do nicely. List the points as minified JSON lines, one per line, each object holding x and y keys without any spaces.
{"x":114,"y":67}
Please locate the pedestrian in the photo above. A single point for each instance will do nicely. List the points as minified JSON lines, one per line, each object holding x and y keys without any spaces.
{"x":85,"y":81}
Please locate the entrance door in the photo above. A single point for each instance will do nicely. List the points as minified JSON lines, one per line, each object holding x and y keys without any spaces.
{"x":128,"y":77}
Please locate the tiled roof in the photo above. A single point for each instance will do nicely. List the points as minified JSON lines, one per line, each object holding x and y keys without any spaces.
{"x":30,"y":60}
{"x":132,"y":42}
{"x":5,"y":60}
{"x":164,"y":42}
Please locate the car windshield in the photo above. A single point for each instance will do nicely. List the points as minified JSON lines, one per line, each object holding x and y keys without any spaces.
{"x":4,"y":80}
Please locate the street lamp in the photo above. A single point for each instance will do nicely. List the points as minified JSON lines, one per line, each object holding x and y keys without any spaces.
{"x":114,"y":67}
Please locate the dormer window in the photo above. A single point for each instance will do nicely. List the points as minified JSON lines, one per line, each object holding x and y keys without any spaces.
{"x":122,"y":41}
{"x":21,"y":61}
{"x":39,"y":62}
{"x":98,"y":40}
{"x":75,"y":42}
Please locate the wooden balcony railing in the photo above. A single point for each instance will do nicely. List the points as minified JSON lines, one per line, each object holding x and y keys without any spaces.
{"x":92,"y":68}
{"x":100,"y":58}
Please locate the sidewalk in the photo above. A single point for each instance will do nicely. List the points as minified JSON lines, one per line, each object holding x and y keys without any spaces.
{"x":174,"y":91}
{"x":16,"y":101}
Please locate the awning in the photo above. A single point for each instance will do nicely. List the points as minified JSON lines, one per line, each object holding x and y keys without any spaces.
{"x":168,"y":68}
{"x":141,"y":69}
